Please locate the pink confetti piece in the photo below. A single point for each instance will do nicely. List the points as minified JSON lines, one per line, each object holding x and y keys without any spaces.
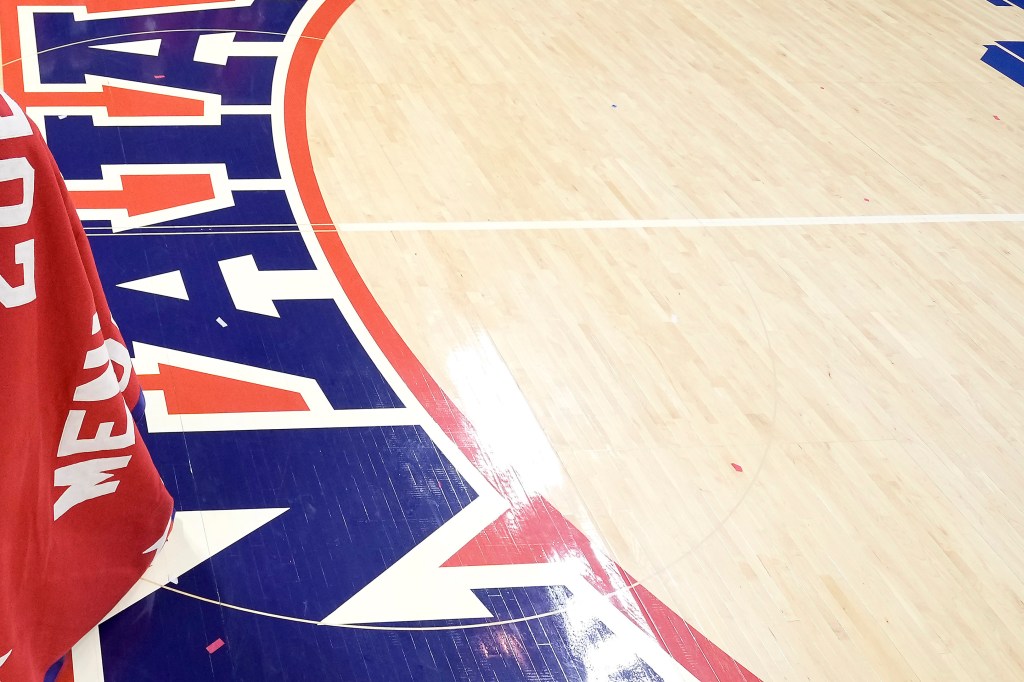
{"x":737,"y":467}
{"x":996,"y":117}
{"x":866,"y":199}
{"x":159,"y":76}
{"x":218,"y":643}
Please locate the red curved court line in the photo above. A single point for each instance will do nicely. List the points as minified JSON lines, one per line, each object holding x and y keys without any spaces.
{"x":705,"y":661}
{"x":550,"y":530}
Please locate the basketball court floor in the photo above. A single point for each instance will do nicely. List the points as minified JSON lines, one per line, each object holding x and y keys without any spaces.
{"x":558,"y":341}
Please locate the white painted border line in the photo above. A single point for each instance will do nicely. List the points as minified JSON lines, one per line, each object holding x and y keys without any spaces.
{"x":681,"y":223}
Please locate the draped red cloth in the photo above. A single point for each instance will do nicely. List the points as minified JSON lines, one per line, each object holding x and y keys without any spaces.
{"x":82,"y":508}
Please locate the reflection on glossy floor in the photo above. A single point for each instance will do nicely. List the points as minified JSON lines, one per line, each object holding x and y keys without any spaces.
{"x":799,"y":436}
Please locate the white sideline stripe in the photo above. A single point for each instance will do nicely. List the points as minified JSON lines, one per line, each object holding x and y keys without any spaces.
{"x":682,"y":223}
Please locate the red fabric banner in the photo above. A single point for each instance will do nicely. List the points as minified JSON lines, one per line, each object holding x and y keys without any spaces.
{"x":82,"y":509}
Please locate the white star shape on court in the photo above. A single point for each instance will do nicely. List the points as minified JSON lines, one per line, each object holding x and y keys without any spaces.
{"x":195,"y":538}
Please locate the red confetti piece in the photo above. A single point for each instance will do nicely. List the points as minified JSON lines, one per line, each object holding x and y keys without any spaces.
{"x":996,"y":117}
{"x":218,"y":643}
{"x":737,"y":467}
{"x":866,"y":199}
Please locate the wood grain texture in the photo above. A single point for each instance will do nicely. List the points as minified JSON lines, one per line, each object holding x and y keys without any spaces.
{"x":866,"y":378}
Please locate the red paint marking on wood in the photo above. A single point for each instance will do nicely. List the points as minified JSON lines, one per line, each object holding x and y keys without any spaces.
{"x":127,"y":102}
{"x":190,"y":392}
{"x":702,"y":658}
{"x":142,"y":194}
{"x":120,"y":102}
{"x":218,"y":643}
